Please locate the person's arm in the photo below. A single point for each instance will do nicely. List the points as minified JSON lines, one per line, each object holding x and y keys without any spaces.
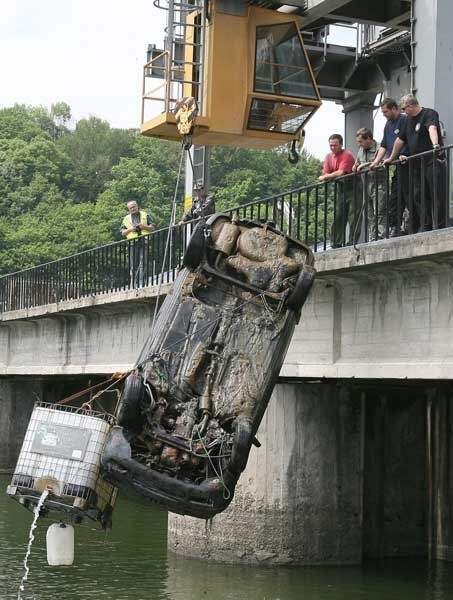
{"x":380,"y":154}
{"x":149,"y":224}
{"x":334,"y":175}
{"x":433,"y":135}
{"x":399,"y":143}
{"x":187,"y":216}
{"x":431,"y":122}
{"x":325,"y":169}
{"x":126,"y":230}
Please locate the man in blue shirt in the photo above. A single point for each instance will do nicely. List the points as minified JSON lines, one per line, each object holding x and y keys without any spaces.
{"x":400,"y":180}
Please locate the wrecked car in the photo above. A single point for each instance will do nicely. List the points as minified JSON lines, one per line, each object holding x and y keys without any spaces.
{"x":189,"y":413}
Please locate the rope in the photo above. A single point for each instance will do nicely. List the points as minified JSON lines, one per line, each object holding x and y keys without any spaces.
{"x":92,"y":388}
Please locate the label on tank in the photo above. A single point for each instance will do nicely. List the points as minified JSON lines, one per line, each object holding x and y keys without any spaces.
{"x":62,"y":441}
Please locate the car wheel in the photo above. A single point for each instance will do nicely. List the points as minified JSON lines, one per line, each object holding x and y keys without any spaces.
{"x":129,"y":406}
{"x":195,"y":248}
{"x":297,"y":297}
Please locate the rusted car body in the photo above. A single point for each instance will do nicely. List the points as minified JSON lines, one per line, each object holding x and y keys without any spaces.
{"x":189,"y":414}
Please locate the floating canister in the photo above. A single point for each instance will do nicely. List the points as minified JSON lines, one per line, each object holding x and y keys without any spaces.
{"x":60,"y":544}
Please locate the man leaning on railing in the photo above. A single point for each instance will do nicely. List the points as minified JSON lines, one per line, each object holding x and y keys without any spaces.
{"x":337,"y":163}
{"x":203,"y":205}
{"x":399,"y":185}
{"x":422,"y":133}
{"x":373,"y":185}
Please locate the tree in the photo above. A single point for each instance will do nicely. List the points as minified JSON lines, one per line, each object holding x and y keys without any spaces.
{"x":19,"y":122}
{"x":93,"y":149}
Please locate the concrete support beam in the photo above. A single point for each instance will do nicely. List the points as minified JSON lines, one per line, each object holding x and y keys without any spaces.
{"x":358,"y":111}
{"x":299,"y":500}
{"x":434,"y":58}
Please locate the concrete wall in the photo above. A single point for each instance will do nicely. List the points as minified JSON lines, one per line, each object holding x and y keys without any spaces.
{"x":384,"y":312}
{"x":100,"y":339}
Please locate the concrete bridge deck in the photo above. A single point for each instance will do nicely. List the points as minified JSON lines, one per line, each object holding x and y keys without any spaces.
{"x":382,"y":310}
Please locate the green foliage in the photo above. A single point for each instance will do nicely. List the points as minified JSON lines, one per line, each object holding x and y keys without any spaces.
{"x":63,"y":191}
{"x":239,"y":176}
{"x":93,"y":149}
{"x":19,"y":122}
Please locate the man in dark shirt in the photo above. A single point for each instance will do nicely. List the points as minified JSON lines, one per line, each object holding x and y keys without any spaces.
{"x":400,"y":183}
{"x":422,"y":133}
{"x":203,"y":205}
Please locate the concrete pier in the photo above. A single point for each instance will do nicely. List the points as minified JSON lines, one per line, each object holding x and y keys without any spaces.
{"x":17,"y":396}
{"x":299,"y":500}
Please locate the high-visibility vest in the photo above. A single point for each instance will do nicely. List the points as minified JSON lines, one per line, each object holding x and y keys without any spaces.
{"x":127,"y":223}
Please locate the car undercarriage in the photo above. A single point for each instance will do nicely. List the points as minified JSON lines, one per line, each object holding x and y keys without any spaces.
{"x":189,"y":412}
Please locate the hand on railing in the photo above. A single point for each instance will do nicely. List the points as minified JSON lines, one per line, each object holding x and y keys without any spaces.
{"x":402,"y":158}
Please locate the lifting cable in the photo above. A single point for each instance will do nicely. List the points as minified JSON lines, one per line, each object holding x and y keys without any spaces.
{"x":185,"y":147}
{"x":167,"y":243}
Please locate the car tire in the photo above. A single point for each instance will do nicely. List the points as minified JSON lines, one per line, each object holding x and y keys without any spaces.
{"x":297,"y":297}
{"x":243,"y":437}
{"x":129,"y":406}
{"x":195,"y":248}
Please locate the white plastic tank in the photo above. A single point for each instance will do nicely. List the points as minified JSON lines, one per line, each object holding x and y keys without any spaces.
{"x":60,"y":544}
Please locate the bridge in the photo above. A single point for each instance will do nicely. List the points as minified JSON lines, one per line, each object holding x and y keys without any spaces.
{"x":356,"y":442}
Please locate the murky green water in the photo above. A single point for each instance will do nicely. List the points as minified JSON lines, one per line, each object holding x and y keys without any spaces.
{"x":131,"y":563}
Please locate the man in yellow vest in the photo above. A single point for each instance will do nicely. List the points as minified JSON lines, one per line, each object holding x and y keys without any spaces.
{"x":136,"y":223}
{"x":134,"y":227}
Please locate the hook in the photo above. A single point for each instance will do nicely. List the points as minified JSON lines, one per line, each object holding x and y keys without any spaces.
{"x":187,"y":142}
{"x":293,"y":156}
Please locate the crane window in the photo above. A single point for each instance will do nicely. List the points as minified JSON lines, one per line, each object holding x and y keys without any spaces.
{"x":281,"y":67}
{"x":280,"y":117}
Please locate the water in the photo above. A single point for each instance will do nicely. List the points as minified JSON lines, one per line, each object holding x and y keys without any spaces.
{"x":131,"y":563}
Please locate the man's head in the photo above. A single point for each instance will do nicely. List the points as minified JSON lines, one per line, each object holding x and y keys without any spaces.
{"x":390,"y":109}
{"x":364,"y":138}
{"x":336,"y":143}
{"x":199,"y":192}
{"x":132,"y":207}
{"x":409,"y":104}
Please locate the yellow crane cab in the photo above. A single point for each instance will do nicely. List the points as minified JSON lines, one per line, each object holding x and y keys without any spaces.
{"x":249,"y":74}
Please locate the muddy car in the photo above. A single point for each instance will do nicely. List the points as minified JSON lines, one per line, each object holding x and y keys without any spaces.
{"x":188,"y":415}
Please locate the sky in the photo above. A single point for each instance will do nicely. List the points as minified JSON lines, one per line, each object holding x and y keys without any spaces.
{"x":90,"y":54}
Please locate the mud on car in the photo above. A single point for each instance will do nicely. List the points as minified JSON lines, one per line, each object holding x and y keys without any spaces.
{"x":189,"y":413}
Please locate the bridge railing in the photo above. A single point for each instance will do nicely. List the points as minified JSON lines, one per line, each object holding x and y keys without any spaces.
{"x":388,"y":202}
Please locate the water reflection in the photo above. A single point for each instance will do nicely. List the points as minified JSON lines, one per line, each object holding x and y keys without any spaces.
{"x":131,"y":563}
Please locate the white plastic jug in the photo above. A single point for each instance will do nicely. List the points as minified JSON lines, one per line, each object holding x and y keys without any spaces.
{"x":60,"y":544}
